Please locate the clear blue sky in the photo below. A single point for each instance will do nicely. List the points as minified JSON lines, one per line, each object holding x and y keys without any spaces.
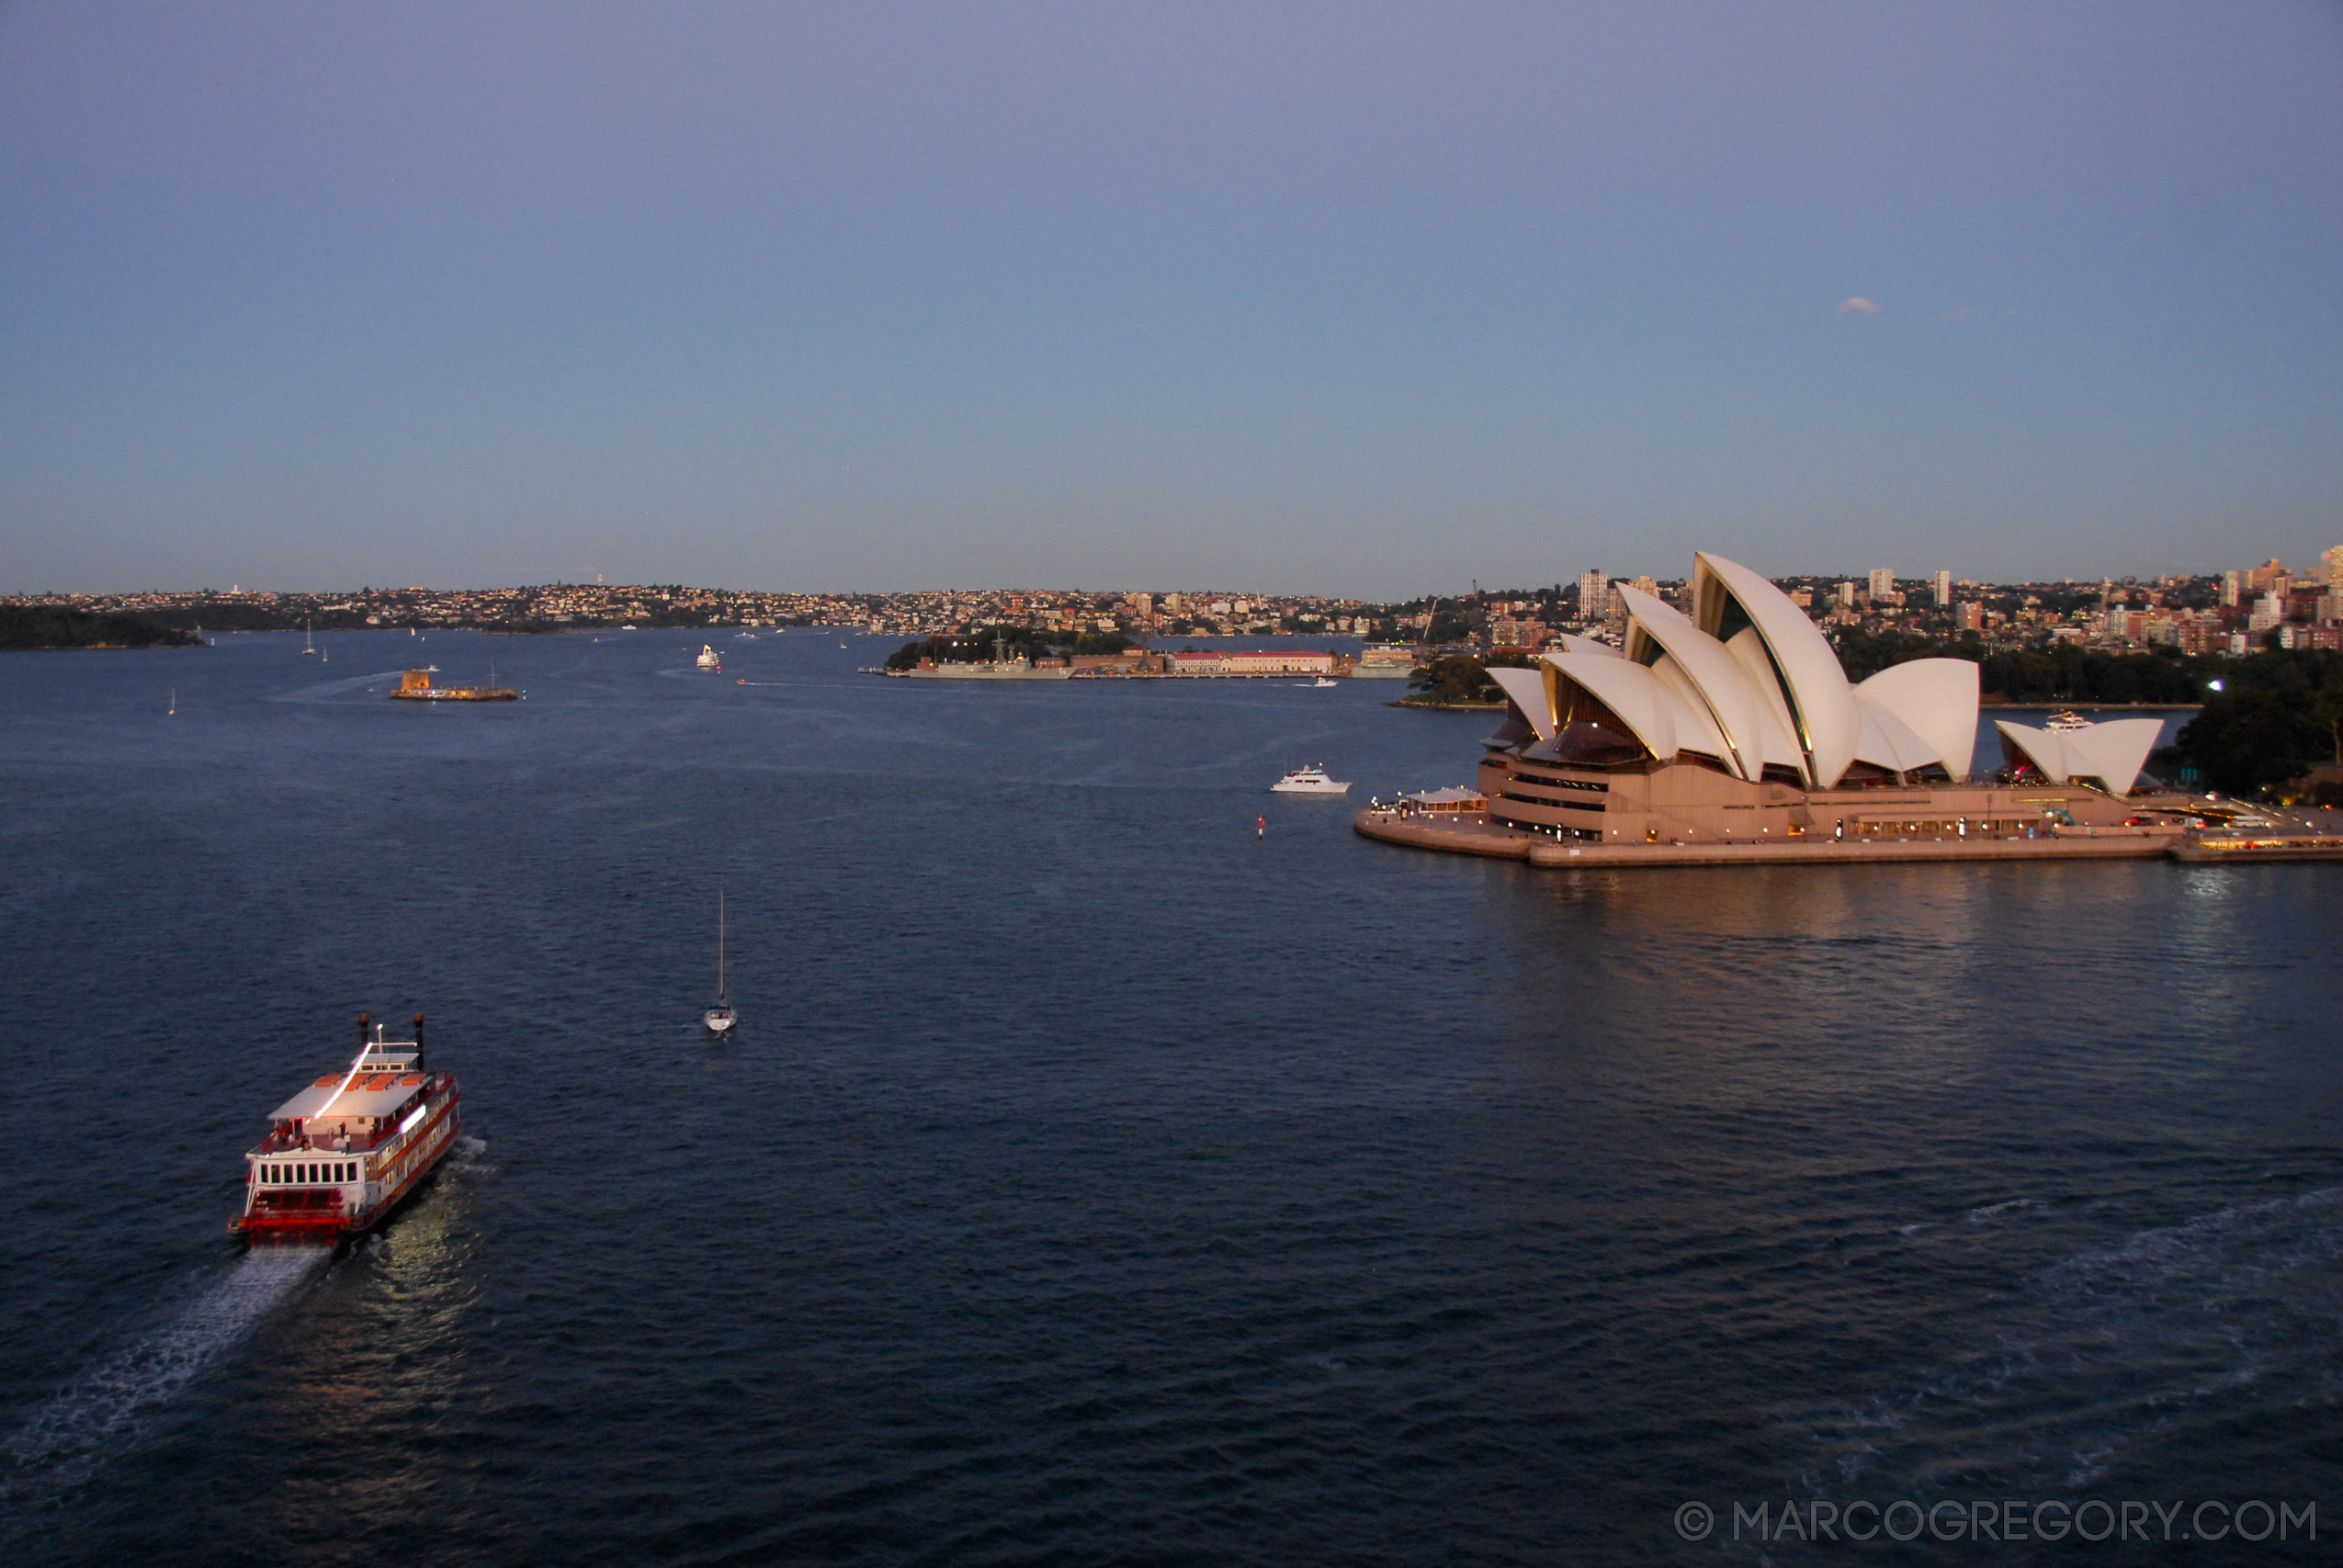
{"x":1346,"y":298}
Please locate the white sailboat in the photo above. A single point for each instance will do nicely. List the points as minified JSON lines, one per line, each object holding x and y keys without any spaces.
{"x":720,"y":1017}
{"x":309,"y":639}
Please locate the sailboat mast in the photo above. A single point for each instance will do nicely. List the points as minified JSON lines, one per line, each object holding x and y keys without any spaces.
{"x":719,"y":944}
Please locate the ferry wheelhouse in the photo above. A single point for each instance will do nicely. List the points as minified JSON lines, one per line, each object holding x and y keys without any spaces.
{"x":344,"y":1152}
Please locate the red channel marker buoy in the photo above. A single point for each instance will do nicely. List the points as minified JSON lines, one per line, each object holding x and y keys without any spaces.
{"x":1261,"y":828}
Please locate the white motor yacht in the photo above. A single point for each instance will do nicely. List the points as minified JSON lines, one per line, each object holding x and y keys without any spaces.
{"x":1309,"y":781}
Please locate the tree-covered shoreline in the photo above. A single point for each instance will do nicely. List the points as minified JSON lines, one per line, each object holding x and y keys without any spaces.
{"x":28,"y":627}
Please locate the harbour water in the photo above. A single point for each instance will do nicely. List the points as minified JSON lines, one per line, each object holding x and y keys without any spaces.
{"x":1097,"y":1176}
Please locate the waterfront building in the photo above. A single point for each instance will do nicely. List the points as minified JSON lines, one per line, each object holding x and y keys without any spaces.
{"x":1736,"y":724}
{"x":1261,"y":661}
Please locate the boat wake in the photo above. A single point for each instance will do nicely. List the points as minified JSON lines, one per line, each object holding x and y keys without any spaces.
{"x":335,"y":691}
{"x":2113,"y":1361}
{"x":63,"y":1445}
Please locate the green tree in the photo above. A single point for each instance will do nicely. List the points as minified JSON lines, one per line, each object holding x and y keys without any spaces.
{"x":1459,"y":678}
{"x":2279,"y":716}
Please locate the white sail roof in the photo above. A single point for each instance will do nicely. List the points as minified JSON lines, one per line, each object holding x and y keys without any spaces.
{"x":2113,"y":752}
{"x":1773,"y":696}
{"x":1815,"y":684}
{"x":1695,"y":729}
{"x":1938,"y":698}
{"x":1527,"y":688}
{"x":1629,"y":691}
{"x":1731,"y":701}
{"x":1886,"y":741}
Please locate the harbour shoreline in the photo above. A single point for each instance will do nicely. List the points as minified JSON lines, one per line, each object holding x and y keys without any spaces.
{"x":1475,"y":834}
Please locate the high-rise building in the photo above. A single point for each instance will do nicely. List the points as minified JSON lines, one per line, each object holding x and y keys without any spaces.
{"x":2262,"y":576}
{"x":1944,"y":588}
{"x":1847,"y":595}
{"x":1594,"y":595}
{"x":1882,"y":583}
{"x":2231,"y":588}
{"x":1143,"y":604}
{"x":2335,"y":570}
{"x":1970,"y":617}
{"x":2268,"y":610}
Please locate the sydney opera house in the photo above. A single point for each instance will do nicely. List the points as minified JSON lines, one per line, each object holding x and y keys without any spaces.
{"x":1735,"y":729}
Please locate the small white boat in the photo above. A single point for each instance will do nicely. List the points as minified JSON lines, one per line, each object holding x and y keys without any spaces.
{"x":720,"y":1017}
{"x":309,"y":642}
{"x":709,"y":660}
{"x":1321,"y":680}
{"x":1308,"y":781}
{"x":2069,"y":719}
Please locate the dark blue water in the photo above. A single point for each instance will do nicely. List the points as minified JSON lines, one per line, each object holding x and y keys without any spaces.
{"x":1095,"y":1181}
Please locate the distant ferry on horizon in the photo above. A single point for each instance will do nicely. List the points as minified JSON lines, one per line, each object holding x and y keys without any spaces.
{"x":346,"y":1152}
{"x":416,"y":686}
{"x":1385,"y":661}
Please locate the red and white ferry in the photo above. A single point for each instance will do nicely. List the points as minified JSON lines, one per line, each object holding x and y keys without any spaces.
{"x":344,"y":1152}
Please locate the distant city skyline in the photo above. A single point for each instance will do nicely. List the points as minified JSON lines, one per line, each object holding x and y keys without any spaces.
{"x":1349,"y":300}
